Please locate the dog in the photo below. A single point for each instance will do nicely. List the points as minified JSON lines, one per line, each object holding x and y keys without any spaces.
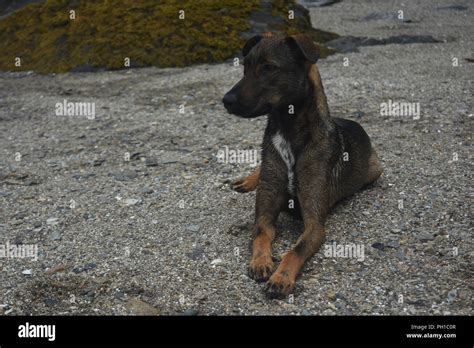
{"x":310,"y":160}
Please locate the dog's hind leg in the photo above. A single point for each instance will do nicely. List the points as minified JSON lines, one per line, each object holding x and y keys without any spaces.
{"x":375,"y":168}
{"x":247,"y":184}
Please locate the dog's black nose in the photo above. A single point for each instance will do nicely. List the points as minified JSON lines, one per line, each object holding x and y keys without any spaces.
{"x":229,"y":100}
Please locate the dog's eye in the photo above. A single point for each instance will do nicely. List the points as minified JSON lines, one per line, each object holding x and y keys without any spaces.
{"x":269,"y":67}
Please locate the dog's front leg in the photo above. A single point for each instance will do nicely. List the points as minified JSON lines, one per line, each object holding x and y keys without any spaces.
{"x":269,"y":202}
{"x":313,"y":198}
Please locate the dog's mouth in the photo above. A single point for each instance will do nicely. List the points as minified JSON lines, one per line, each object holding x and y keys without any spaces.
{"x":258,"y":110}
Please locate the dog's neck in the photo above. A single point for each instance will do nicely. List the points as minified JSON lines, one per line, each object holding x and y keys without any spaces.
{"x":311,"y":112}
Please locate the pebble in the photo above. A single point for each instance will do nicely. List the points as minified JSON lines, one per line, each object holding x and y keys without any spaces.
{"x":147,"y":190}
{"x":131,"y":201}
{"x":27,"y":272}
{"x":52,"y":221}
{"x":125,"y":176}
{"x":378,"y":245}
{"x":193,"y":228}
{"x":424,"y":236}
{"x":452,"y":295}
{"x":191,"y":312}
{"x":56,"y":235}
{"x":393,"y":244}
{"x":151,"y":162}
{"x":216,"y":262}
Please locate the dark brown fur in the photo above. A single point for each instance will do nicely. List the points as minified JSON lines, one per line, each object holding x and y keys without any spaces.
{"x":281,"y":72}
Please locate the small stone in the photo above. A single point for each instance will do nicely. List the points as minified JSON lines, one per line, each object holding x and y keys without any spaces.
{"x":56,"y":235}
{"x":27,"y":272}
{"x":452,"y":295}
{"x":191,"y":312}
{"x":124,"y":176}
{"x":151,"y":162}
{"x":136,"y":306}
{"x":331,"y":295}
{"x":424,"y":236}
{"x":120,"y":296}
{"x":52,"y":221}
{"x":193,"y":228}
{"x":147,"y":190}
{"x":216,"y":262}
{"x":196,"y":253}
{"x":50,"y":302}
{"x":131,"y":201}
{"x":393,"y":244}
{"x":378,"y":245}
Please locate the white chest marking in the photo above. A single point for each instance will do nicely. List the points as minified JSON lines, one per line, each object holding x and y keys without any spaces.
{"x":284,"y":149}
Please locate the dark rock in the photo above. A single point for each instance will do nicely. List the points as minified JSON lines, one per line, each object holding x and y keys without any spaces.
{"x":393,"y":244}
{"x":196,"y":253}
{"x":349,"y":43}
{"x":151,"y":162}
{"x":453,"y":7}
{"x":379,"y":246}
{"x":147,"y":190}
{"x":86,"y":267}
{"x":125,"y":176}
{"x":317,"y":3}
{"x":50,"y":302}
{"x":425,"y":236}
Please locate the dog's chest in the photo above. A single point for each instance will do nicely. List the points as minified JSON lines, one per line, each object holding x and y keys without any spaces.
{"x":284,"y":149}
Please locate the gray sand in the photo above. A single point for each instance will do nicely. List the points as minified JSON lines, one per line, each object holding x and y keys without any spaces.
{"x":163,"y":232}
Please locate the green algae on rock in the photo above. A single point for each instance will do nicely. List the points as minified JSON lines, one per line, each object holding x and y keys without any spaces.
{"x":114,"y":34}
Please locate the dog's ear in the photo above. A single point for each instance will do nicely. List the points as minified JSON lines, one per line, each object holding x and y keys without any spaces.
{"x":250,"y":44}
{"x":305,"y":45}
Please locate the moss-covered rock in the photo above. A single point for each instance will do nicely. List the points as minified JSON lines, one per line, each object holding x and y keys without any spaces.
{"x":105,"y":33}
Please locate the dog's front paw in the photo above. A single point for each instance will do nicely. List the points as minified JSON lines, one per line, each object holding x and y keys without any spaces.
{"x":261,"y":268}
{"x":279,"y":286}
{"x":244,"y":185}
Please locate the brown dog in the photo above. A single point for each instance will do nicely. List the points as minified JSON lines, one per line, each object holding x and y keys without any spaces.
{"x":309,"y":159}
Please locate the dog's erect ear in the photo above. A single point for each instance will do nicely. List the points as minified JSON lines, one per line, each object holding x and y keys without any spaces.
{"x":250,"y":44}
{"x":305,"y":45}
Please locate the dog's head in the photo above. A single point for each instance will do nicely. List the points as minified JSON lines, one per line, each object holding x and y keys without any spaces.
{"x":275,"y":74}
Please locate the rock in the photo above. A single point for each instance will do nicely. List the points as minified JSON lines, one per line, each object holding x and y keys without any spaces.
{"x":193,"y":228}
{"x":56,"y":235}
{"x":191,"y":312}
{"x":120,"y":296}
{"x":379,"y":246}
{"x":317,"y":3}
{"x":393,"y":244}
{"x":131,"y":201}
{"x":385,"y":16}
{"x":331,"y":295}
{"x":424,"y":236}
{"x":147,"y":190}
{"x":86,"y":267}
{"x":216,"y":262}
{"x":50,"y":302}
{"x":196,"y":253}
{"x":452,"y":295}
{"x":27,"y":272}
{"x":453,"y":8}
{"x":52,"y":221}
{"x":347,"y":44}
{"x":151,"y":162}
{"x":125,"y":176}
{"x":136,"y":306}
